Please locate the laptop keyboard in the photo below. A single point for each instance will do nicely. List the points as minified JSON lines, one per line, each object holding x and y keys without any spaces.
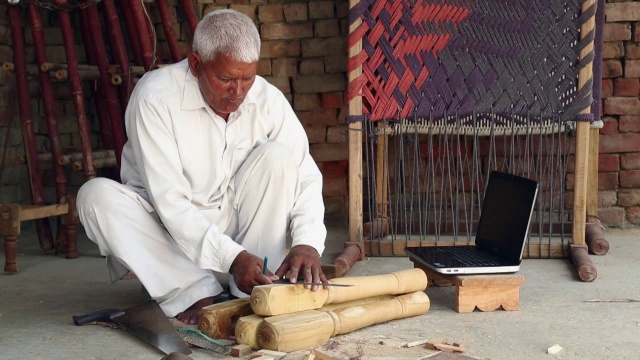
{"x":466,"y":257}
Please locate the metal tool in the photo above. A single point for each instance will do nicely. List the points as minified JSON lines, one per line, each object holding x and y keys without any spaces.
{"x":147,"y":321}
{"x":288,"y":282}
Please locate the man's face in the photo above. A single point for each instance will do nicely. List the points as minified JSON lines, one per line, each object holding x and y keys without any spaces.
{"x":224,"y":82}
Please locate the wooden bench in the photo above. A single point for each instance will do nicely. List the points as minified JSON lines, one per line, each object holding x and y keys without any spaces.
{"x":11,"y":215}
{"x":482,"y":292}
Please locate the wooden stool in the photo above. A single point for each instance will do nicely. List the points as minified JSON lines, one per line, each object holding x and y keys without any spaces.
{"x":11,"y":215}
{"x":484,"y":292}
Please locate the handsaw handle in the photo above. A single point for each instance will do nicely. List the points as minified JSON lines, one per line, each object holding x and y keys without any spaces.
{"x":100,"y":315}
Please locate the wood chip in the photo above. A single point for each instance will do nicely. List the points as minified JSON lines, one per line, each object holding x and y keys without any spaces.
{"x":274,"y":354}
{"x":240,"y":350}
{"x":554,"y":349}
{"x":414,"y":343}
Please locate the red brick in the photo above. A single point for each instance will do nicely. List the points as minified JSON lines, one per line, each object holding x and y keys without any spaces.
{"x":342,"y":9}
{"x":630,"y":161}
{"x":316,"y":134}
{"x":624,"y":142}
{"x":626,"y":87}
{"x":630,"y":178}
{"x":281,"y":82}
{"x":335,"y":170}
{"x":610,"y":126}
{"x":275,"y":13}
{"x":332,"y":100}
{"x":608,"y":162}
{"x":338,"y":135}
{"x":319,"y":83}
{"x":284,"y":67}
{"x":613,"y":216}
{"x":327,"y":28}
{"x":329,"y":152}
{"x":632,"y":69}
{"x":311,"y":67}
{"x":607,"y":198}
{"x":607,"y":88}
{"x":306,"y":101}
{"x":264,"y":67}
{"x":296,"y":12}
{"x":613,"y":50}
{"x":286,"y":31}
{"x":323,"y":46}
{"x":624,"y":11}
{"x":621,"y":106}
{"x":321,"y":9}
{"x":337,"y":187}
{"x":632,"y":52}
{"x":616,"y":31}
{"x":276,"y":49}
{"x":326,"y":117}
{"x":633,"y":215}
{"x":611,"y":69}
{"x":629,"y":197}
{"x":335,"y":63}
{"x":636,"y":37}
{"x":607,"y":181}
{"x":630,"y":123}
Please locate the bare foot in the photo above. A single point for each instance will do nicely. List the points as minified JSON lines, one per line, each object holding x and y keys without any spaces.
{"x":190,"y":316}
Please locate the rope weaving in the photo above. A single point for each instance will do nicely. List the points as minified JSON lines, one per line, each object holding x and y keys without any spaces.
{"x":437,"y":57}
{"x":452,"y":89}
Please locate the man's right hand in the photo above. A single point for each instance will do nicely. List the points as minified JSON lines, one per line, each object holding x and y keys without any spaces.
{"x":247,"y":272}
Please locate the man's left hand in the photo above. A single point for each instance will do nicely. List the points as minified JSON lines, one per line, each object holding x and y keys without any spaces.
{"x":303,"y":261}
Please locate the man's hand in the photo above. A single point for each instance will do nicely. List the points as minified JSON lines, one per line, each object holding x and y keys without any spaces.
{"x":303,"y":261}
{"x":247,"y":272}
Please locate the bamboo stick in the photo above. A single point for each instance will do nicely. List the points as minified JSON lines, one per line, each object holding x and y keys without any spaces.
{"x":142,"y":31}
{"x":113,"y":106}
{"x":98,"y":163}
{"x":118,"y":49}
{"x":165,"y":15}
{"x":26,"y":120}
{"x":190,"y":13}
{"x":50,"y":116}
{"x":97,"y":92}
{"x":76,"y":92}
{"x":130,"y":22}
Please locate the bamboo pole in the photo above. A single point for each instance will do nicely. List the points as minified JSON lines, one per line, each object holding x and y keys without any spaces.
{"x":50,"y":116}
{"x":355,"y":147}
{"x":165,"y":15}
{"x":118,"y":49}
{"x":582,"y":158}
{"x":76,"y":92}
{"x":26,"y":120}
{"x":106,"y":134}
{"x":113,"y":106}
{"x":190,"y":13}
{"x":582,"y":139}
{"x":130,"y":22}
{"x":142,"y":31}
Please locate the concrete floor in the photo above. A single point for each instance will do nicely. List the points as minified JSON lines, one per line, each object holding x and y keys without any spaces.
{"x":37,"y":303}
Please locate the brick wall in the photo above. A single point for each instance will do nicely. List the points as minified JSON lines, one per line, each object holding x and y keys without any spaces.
{"x":619,"y":161}
{"x":304,"y":54}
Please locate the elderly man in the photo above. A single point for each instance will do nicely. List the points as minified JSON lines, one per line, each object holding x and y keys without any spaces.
{"x":215,"y":174}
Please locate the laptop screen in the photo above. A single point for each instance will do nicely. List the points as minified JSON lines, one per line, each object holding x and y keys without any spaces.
{"x":506,"y":211}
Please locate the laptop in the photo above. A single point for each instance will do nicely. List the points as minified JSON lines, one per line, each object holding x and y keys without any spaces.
{"x":502,"y":232}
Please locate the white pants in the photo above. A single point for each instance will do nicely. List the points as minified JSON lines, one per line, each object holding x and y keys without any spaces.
{"x":126,"y":229}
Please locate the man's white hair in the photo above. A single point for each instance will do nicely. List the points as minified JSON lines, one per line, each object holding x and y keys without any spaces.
{"x":228,"y":32}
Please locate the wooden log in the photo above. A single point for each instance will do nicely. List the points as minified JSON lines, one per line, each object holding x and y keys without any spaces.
{"x":247,"y":330}
{"x":218,"y":321}
{"x":292,"y":332}
{"x":580,"y":259}
{"x":595,"y":240}
{"x":279,"y":299}
{"x":247,"y":326}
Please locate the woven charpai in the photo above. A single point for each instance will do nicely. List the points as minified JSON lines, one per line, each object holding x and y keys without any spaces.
{"x":432,"y":59}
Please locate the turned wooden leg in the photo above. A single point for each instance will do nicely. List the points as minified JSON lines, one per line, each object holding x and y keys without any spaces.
{"x":70,"y":222}
{"x":70,"y":235}
{"x":11,"y":253}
